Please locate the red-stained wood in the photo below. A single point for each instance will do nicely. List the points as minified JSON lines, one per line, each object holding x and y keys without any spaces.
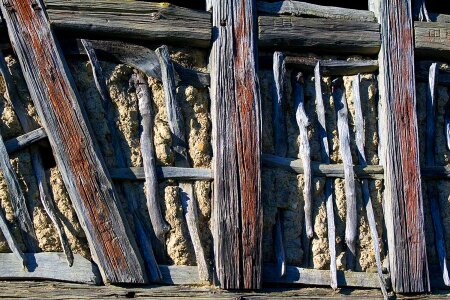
{"x":83,"y":170}
{"x":403,"y":191}
{"x":237,"y":207}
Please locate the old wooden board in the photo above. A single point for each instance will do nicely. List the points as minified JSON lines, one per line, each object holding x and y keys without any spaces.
{"x":82,"y":168}
{"x":403,"y":203}
{"x":236,"y":130}
{"x":49,"y":265}
{"x":432,"y":40}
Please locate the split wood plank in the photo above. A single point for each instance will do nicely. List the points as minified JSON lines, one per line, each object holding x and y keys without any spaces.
{"x":49,"y":266}
{"x":179,"y":144}
{"x":351,"y":220}
{"x":11,"y":241}
{"x":298,"y":8}
{"x":325,"y":155}
{"x":403,"y":201}
{"x":432,"y":189}
{"x":88,"y":184}
{"x":120,"y":161}
{"x":236,"y":131}
{"x":279,"y":141}
{"x":360,"y":142}
{"x":36,"y":160}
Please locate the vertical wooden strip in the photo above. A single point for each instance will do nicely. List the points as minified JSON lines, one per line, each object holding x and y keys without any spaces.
{"x":305,"y":151}
{"x":325,"y":151}
{"x":36,"y":160}
{"x":279,"y":244}
{"x":236,"y":115}
{"x":179,"y":144}
{"x":447,"y":123}
{"x":403,"y":191}
{"x":420,"y":11}
{"x":351,"y":225}
{"x":83,"y":170}
{"x":433,"y":194}
{"x":360,"y":141}
{"x":279,"y":104}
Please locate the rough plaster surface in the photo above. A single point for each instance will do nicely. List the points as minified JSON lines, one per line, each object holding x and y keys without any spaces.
{"x":282,"y":190}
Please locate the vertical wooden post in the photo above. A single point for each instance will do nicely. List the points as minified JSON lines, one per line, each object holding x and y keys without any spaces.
{"x":83,"y":170}
{"x":236,"y":115}
{"x":403,"y":191}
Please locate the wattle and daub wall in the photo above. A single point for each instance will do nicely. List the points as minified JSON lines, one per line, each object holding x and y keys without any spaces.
{"x":281,"y":189}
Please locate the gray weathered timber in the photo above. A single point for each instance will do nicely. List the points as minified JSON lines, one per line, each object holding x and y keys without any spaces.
{"x":36,"y":160}
{"x":305,"y":150}
{"x":420,"y":11}
{"x":297,"y":8}
{"x":325,"y":155}
{"x":11,"y":241}
{"x":360,"y":141}
{"x":279,"y":244}
{"x":351,"y":222}
{"x":25,"y":140}
{"x":185,"y":174}
{"x":236,"y":131}
{"x":158,"y":22}
{"x":49,"y":266}
{"x":179,"y":144}
{"x":160,"y":226}
{"x":120,"y":161}
{"x":18,"y":202}
{"x":326,"y":35}
{"x":137,"y":56}
{"x":403,"y":203}
{"x":77,"y":155}
{"x":295,"y":275}
{"x":279,"y":104}
{"x":431,"y":40}
{"x":333,"y":67}
{"x":433,"y":194}
{"x":422,"y":70}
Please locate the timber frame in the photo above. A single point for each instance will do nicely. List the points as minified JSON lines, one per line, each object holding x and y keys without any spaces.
{"x":235,"y":31}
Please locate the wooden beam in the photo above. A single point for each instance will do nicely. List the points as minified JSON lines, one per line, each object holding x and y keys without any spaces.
{"x":333,"y":67}
{"x":236,"y":131}
{"x":297,"y":8}
{"x":432,"y":40}
{"x":325,"y":35}
{"x":49,"y":266}
{"x":403,"y":191}
{"x":88,"y":184}
{"x":25,"y":140}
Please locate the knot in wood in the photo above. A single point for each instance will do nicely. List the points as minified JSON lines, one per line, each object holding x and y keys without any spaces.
{"x":155,"y":16}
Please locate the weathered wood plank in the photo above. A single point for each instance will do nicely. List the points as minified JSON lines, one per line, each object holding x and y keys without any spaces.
{"x":305,"y":150}
{"x":120,"y":162}
{"x":279,"y":104}
{"x":447,"y":124}
{"x":158,"y":22}
{"x":297,"y":8}
{"x":49,"y":266}
{"x":279,"y":244}
{"x":25,"y":140}
{"x":179,"y":144}
{"x":11,"y":241}
{"x":422,"y":69}
{"x":360,"y":142}
{"x":431,"y":40}
{"x":420,"y":11}
{"x":351,"y":221}
{"x":236,"y":131}
{"x":325,"y":155}
{"x":36,"y":160}
{"x":433,"y":194}
{"x":326,"y":35}
{"x":185,"y":174}
{"x":56,"y":100}
{"x":403,"y":203}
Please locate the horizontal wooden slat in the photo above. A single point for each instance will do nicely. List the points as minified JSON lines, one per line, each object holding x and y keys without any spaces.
{"x":25,"y":140}
{"x":137,"y":173}
{"x":49,"y":265}
{"x":432,"y":40}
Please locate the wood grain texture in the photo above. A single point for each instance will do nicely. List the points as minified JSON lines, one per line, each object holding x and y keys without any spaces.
{"x":12,"y":243}
{"x":298,"y":8}
{"x":325,"y":35}
{"x":236,"y":131}
{"x":279,"y":104}
{"x":305,"y":150}
{"x":433,"y":194}
{"x":179,"y":144}
{"x":351,"y":220}
{"x":280,"y":255}
{"x":25,"y":140}
{"x":160,"y":226}
{"x":420,"y":11}
{"x":49,"y":266}
{"x":36,"y":160}
{"x":360,"y":142}
{"x":403,"y":191}
{"x":325,"y":155}
{"x":431,"y":40}
{"x":56,"y":100}
{"x":136,"y":20}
